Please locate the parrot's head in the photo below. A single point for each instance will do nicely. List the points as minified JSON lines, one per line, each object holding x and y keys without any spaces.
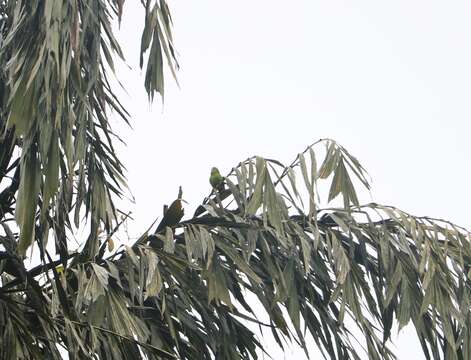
{"x":214,"y":171}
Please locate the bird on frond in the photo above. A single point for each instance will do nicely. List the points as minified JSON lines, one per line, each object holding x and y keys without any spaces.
{"x":216,"y":180}
{"x":172,"y":214}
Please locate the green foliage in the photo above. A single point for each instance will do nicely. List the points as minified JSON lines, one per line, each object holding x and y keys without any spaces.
{"x":181,"y":291}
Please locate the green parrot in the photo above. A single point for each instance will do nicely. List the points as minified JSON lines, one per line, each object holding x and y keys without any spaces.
{"x":216,"y":180}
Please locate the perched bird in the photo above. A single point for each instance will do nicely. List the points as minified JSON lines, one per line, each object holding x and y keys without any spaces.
{"x":172,"y":214}
{"x":216,"y":180}
{"x":220,"y":192}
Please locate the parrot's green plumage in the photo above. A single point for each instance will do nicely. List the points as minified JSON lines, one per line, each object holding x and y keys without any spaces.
{"x":216,"y":180}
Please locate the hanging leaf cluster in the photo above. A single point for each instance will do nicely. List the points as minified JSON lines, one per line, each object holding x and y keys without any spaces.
{"x":56,"y":99}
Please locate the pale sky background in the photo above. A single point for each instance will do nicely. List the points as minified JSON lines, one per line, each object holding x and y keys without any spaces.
{"x":389,"y":80}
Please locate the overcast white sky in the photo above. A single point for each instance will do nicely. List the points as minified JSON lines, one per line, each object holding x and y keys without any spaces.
{"x":389,"y":80}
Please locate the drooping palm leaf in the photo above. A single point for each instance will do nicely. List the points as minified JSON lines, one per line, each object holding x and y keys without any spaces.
{"x":56,"y":59}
